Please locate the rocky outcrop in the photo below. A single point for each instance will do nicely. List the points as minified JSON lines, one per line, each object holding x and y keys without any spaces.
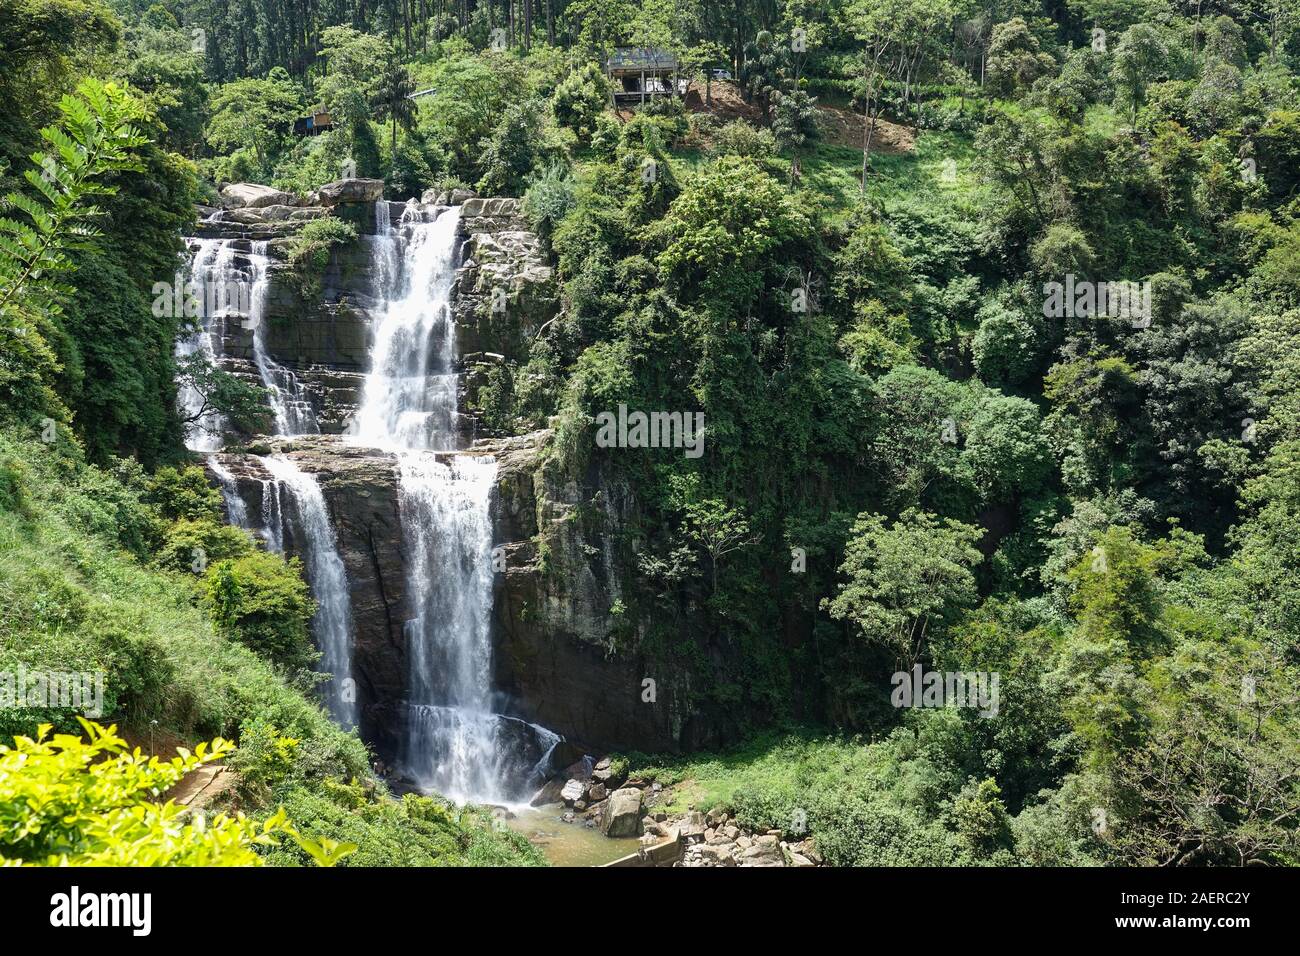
{"x":560,"y":653}
{"x":348,"y":191}
{"x":254,"y":196}
{"x":622,"y":817}
{"x":506,"y":289}
{"x":272,"y":214}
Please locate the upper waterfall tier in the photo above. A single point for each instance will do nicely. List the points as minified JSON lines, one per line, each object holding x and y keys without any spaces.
{"x":409,"y":401}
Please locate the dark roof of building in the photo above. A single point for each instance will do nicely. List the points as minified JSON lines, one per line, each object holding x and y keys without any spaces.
{"x":642,"y":58}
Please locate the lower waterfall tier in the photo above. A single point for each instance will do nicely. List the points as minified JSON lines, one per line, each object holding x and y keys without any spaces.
{"x":549,"y":666}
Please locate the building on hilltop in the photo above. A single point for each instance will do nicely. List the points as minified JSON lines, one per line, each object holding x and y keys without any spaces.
{"x":639,"y":74}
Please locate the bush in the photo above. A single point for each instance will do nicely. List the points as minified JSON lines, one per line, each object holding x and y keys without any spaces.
{"x":184,"y":493}
{"x":65,"y":801}
{"x":415,"y":831}
{"x":579,"y":100}
{"x":739,"y":138}
{"x":549,"y":199}
{"x":261,"y":601}
{"x":309,"y":250}
{"x":193,"y":545}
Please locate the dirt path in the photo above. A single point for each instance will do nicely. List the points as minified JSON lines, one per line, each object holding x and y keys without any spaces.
{"x":200,"y":787}
{"x":839,"y":126}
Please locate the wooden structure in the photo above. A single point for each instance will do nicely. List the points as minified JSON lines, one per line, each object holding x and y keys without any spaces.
{"x":313,"y":125}
{"x":638,"y":74}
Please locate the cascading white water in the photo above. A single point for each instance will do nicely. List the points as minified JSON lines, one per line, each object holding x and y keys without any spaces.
{"x":455,"y":743}
{"x":409,"y":398}
{"x":307,"y":523}
{"x":215,"y":262}
{"x":332,"y":625}
{"x":293,"y":412}
{"x":236,"y":510}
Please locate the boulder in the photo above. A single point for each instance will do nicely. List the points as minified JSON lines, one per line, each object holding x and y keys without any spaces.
{"x":578,"y":770}
{"x":622,"y":813}
{"x":254,"y":196}
{"x":808,"y":850}
{"x":762,"y":854}
{"x":350,"y":190}
{"x":596,"y":792}
{"x":571,"y":793}
{"x":459,"y":197}
{"x":551,"y":792}
{"x":275,"y":213}
{"x":713,"y":856}
{"x":692,"y":826}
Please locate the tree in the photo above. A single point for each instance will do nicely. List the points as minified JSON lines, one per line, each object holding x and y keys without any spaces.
{"x":1140,"y":56}
{"x":906,"y":579}
{"x":359,"y":70}
{"x":1015,"y":59}
{"x":242,"y":403}
{"x":261,"y":600}
{"x":395,"y":96}
{"x":712,"y":524}
{"x":254,"y":114}
{"x":96,"y":139}
{"x":895,"y":35}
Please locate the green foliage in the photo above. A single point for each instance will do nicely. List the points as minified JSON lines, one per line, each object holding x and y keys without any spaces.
{"x":184,"y":493}
{"x":309,"y":250}
{"x":579,"y":99}
{"x":241,"y":402}
{"x":905,"y":578}
{"x":739,"y":138}
{"x":254,"y":114}
{"x":549,"y":198}
{"x":261,"y":601}
{"x":96,"y":138}
{"x":65,"y":801}
{"x":412,"y":831}
{"x":513,"y":151}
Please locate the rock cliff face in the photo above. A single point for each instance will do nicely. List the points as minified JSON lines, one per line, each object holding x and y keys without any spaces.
{"x":556,"y":653}
{"x":557,"y":600}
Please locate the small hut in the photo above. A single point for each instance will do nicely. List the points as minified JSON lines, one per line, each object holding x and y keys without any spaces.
{"x":639,"y":74}
{"x":313,"y":125}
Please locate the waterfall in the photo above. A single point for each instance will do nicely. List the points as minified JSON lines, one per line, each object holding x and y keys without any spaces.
{"x":332,"y":624}
{"x":307,"y":522}
{"x":215,"y":265}
{"x":293,"y":412}
{"x":409,"y":398}
{"x":236,"y":510}
{"x":454,"y":742}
